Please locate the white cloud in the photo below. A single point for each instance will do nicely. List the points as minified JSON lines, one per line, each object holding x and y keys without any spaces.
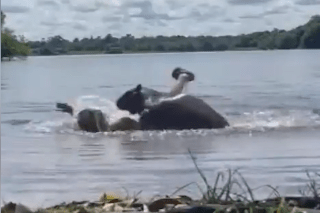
{"x":308,"y":2}
{"x":248,"y":2}
{"x":14,"y":9}
{"x":48,"y":3}
{"x":38,"y":19}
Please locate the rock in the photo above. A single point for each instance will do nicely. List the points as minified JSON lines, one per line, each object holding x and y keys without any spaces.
{"x":93,"y":204}
{"x":112,"y":207}
{"x":118,"y":208}
{"x":115,"y":201}
{"x":9,"y":208}
{"x":137,"y":206}
{"x":161,"y":203}
{"x":182,"y":206}
{"x":202,"y":209}
{"x":81,"y":210}
{"x":22,"y":209}
{"x":126,"y":203}
{"x":301,"y":202}
{"x":108,"y":207}
{"x":191,"y":209}
{"x":145,"y":208}
{"x":107,"y":197}
{"x":184,"y":199}
{"x":15,"y":208}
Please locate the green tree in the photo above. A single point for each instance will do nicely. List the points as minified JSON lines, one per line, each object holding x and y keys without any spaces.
{"x":288,"y":41}
{"x":10,"y":45}
{"x":249,"y":40}
{"x":160,"y":47}
{"x":3,"y":16}
{"x":190,"y":47}
{"x":311,"y":38}
{"x":207,"y":46}
{"x":304,"y":36}
{"x":221,"y":47}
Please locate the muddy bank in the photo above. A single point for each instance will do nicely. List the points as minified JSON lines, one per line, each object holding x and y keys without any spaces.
{"x":177,"y":204}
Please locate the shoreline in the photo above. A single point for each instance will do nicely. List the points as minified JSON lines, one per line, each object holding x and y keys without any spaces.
{"x":175,"y":204}
{"x":99,"y":53}
{"x":157,"y":53}
{"x":218,"y":197}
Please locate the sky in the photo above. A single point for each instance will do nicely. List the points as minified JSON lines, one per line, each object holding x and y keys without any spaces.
{"x":37,"y":19}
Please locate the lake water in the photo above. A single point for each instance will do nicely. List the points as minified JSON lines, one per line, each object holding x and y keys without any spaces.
{"x":270,"y":98}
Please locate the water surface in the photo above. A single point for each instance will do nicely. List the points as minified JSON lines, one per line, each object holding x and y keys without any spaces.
{"x":270,"y":98}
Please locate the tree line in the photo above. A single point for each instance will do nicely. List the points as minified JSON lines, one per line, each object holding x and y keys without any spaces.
{"x":12,"y":45}
{"x":306,"y":36}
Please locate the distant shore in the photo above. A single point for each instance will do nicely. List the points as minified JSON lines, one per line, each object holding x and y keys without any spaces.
{"x":144,"y":52}
{"x":152,"y":52}
{"x":305,"y":36}
{"x":302,"y":37}
{"x":75,"y":53}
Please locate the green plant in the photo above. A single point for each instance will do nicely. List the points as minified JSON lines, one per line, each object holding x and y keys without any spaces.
{"x":313,"y":187}
{"x":220,"y":194}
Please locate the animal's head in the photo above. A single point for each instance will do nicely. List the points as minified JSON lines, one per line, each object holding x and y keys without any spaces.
{"x":178,"y":71}
{"x":132,"y":101}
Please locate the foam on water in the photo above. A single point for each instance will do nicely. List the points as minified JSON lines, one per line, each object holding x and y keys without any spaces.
{"x":271,"y":119}
{"x":240,"y":122}
{"x":107,"y":106}
{"x":64,"y":123}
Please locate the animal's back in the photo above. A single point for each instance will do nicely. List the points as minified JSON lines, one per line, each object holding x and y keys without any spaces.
{"x":152,"y":94}
{"x":124,"y":124}
{"x":184,"y":112}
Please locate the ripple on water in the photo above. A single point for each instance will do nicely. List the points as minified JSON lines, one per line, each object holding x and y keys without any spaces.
{"x":273,"y":135}
{"x":240,"y":122}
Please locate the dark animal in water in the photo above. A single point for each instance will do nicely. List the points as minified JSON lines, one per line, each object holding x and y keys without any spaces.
{"x":180,"y":112}
{"x":93,"y":120}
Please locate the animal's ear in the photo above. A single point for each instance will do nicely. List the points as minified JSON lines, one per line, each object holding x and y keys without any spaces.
{"x":138,"y":88}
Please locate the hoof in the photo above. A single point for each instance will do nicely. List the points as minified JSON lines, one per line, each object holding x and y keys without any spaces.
{"x":178,"y":71}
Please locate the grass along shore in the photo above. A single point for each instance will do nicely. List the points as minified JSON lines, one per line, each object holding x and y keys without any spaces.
{"x":218,"y":197}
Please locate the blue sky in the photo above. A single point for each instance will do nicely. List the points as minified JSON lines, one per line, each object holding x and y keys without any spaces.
{"x":38,"y":19}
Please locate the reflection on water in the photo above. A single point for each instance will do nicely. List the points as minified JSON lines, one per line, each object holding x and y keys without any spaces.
{"x":272,"y":107}
{"x":72,"y":163}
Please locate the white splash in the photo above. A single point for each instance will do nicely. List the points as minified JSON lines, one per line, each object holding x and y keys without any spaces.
{"x":65,"y":123}
{"x":275,"y":119}
{"x":257,"y":120}
{"x":172,"y":98}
